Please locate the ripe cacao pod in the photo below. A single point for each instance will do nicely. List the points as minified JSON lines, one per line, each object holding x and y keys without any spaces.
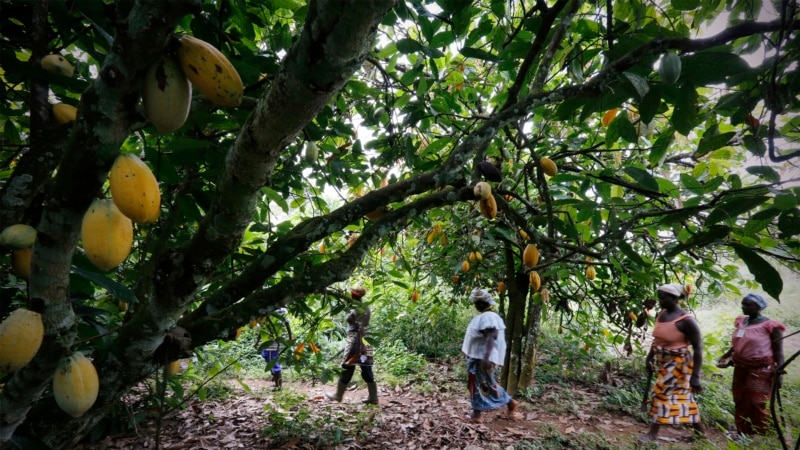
{"x":107,"y":234}
{"x":166,"y":95}
{"x":490,"y":171}
{"x":134,"y":189}
{"x":482,"y":190}
{"x":414,"y":296}
{"x":65,"y":113}
{"x":21,"y":335}
{"x":523,"y":234}
{"x":590,"y":272}
{"x":465,"y":266}
{"x":633,"y":317}
{"x":454,"y":278}
{"x":501,"y":287}
{"x":534,"y":280}
{"x":18,"y":236}
{"x":530,"y":256}
{"x":751,"y":121}
{"x":210,"y":72}
{"x":488,"y":207}
{"x":548,"y":166}
{"x":478,"y":256}
{"x":21,"y":263}
{"x":377,"y":214}
{"x":670,"y":68}
{"x":58,"y":65}
{"x":75,"y":384}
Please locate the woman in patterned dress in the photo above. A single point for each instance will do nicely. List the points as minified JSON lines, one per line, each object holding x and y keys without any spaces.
{"x":677,"y":366}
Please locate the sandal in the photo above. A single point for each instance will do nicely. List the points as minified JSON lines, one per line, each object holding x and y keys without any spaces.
{"x":470,"y":419}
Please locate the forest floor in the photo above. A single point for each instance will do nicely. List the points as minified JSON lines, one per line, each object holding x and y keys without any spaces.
{"x":408,"y":417}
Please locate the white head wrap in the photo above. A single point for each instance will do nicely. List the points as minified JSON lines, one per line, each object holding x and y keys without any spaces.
{"x":674,"y":289}
{"x":481,"y":295}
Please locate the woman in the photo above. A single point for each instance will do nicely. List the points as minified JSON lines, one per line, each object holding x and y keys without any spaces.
{"x":485,"y":347}
{"x":273,"y":351}
{"x":358,"y":352}
{"x":757,"y":351}
{"x":677,"y":367}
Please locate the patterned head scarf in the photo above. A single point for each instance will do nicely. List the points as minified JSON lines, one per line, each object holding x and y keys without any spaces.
{"x":762,"y":303}
{"x":481,"y":295}
{"x":673,"y":289}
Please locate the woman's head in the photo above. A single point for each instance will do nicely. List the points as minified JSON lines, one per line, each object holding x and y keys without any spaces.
{"x":482,"y":299}
{"x":752,"y":304}
{"x":357,"y":292}
{"x":670,"y":294}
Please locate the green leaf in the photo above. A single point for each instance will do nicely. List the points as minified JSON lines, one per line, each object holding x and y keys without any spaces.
{"x":276,"y":197}
{"x":733,"y":208}
{"x":710,"y":143}
{"x":116,"y":289}
{"x":789,"y":223}
{"x":685,"y":5}
{"x":639,"y":84}
{"x":408,"y":46}
{"x":660,"y":147}
{"x":643,"y":178}
{"x":684,"y":116}
{"x":477,"y":53}
{"x":712,"y":67}
{"x":764,"y":172}
{"x":764,"y":273}
{"x":632,"y":254}
{"x":714,"y":234}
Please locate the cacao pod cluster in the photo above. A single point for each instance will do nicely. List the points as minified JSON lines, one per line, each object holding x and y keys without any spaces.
{"x":57,"y":64}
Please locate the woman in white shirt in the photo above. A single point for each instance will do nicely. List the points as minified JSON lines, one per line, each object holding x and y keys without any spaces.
{"x":485,"y":348}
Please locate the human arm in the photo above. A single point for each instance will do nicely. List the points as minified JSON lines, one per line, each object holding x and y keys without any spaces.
{"x":776,"y":338}
{"x":691,"y":330}
{"x":648,"y":362}
{"x":725,"y":360}
{"x":288,"y":329}
{"x":490,"y":334}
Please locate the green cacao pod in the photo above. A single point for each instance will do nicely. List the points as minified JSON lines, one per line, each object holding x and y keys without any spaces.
{"x":670,"y":68}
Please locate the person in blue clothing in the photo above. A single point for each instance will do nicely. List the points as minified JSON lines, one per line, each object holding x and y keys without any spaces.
{"x":273,"y":351}
{"x":485,"y":348}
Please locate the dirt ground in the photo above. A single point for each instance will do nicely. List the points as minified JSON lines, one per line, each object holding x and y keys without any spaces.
{"x":405,"y":419}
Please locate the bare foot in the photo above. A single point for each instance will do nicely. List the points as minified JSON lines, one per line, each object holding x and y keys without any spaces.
{"x":471,"y":418}
{"x":512,"y":408}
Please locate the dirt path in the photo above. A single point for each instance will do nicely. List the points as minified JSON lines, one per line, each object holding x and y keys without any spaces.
{"x":300,"y":417}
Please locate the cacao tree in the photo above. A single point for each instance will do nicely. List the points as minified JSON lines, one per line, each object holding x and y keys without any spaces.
{"x":365,"y":125}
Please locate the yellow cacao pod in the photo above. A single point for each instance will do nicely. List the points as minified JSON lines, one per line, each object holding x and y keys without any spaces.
{"x":472,"y":257}
{"x":415,"y":296}
{"x":18,"y":236}
{"x":65,"y":113}
{"x":478,"y":256}
{"x":58,"y":65}
{"x":488,"y":207}
{"x":482,"y":190}
{"x":523,"y":234}
{"x":548,"y":166}
{"x":465,"y":266}
{"x":632,"y":315}
{"x":75,"y":384}
{"x":21,"y":263}
{"x":134,"y":189}
{"x":166,"y":95}
{"x":590,"y":272}
{"x":501,"y":287}
{"x":534,"y":280}
{"x":210,"y":72}
{"x":530,"y":256}
{"x":107,"y":234}
{"x":21,"y":335}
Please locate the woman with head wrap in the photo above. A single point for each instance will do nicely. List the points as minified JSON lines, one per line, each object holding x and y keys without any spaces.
{"x":757,"y":350}
{"x":485,"y":347}
{"x":677,"y":368}
{"x":357,"y":352}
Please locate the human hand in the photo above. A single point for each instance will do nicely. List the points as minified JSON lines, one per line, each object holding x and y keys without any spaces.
{"x":724,"y":363}
{"x":697,"y":388}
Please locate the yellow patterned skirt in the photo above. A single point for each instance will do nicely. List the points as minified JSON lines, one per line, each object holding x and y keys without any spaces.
{"x":672,"y":401}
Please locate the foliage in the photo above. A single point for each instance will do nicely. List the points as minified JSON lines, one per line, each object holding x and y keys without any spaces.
{"x":405,"y":101}
{"x":290,"y":420}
